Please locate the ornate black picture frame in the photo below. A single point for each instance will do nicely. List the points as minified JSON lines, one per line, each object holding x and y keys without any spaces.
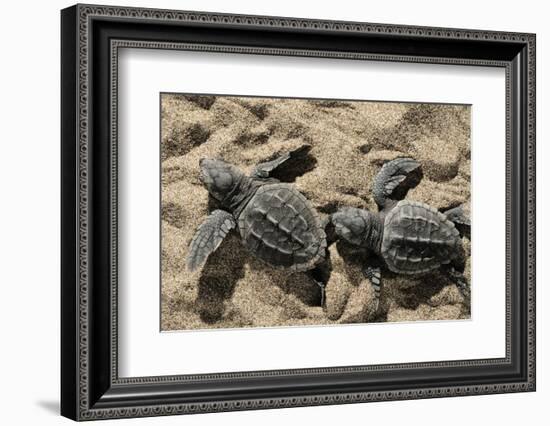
{"x":91,"y":36}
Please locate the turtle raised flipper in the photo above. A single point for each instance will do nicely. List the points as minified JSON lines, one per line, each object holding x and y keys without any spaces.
{"x":208,"y":237}
{"x":394,"y":180}
{"x":266,"y":170}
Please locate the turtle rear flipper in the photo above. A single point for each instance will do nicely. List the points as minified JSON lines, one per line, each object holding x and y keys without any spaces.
{"x":394,"y":180}
{"x":460,"y":219}
{"x":208,"y":237}
{"x":460,"y":281}
{"x":320,"y":274}
{"x":277,"y":167}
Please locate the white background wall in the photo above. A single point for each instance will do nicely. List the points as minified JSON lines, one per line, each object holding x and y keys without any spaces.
{"x":29,"y":211}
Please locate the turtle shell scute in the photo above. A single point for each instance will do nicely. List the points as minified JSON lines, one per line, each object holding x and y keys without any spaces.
{"x":280,"y":227}
{"x":418,"y":239}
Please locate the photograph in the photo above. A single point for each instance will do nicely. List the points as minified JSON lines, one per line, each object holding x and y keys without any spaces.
{"x":262,"y":209}
{"x":279,"y":212}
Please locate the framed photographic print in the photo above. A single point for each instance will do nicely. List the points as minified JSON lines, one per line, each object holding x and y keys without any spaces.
{"x":263,"y":212}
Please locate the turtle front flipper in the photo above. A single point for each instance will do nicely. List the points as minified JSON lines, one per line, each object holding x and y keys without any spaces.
{"x":394,"y":180}
{"x":462,"y":222}
{"x":374,"y":274}
{"x":208,"y":237}
{"x":276,"y":167}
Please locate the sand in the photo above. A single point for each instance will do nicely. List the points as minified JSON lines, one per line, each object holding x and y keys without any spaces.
{"x":350,"y":140}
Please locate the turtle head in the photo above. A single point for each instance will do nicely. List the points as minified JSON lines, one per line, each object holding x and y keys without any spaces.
{"x":358,"y":227}
{"x":219,"y":177}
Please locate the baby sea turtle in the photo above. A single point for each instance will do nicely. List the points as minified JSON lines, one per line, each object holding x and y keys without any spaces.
{"x":407,"y":237}
{"x":275,"y":221}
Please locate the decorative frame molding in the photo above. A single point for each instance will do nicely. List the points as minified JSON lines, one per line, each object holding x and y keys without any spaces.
{"x":91,"y":37}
